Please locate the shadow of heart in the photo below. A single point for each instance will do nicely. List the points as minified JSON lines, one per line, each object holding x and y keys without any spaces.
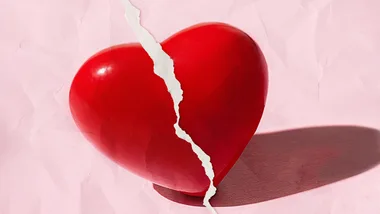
{"x":279,"y":164}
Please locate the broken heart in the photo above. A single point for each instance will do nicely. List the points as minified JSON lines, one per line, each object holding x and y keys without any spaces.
{"x":125,"y":110}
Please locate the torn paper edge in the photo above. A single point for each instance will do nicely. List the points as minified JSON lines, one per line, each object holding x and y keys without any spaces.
{"x":164,"y":68}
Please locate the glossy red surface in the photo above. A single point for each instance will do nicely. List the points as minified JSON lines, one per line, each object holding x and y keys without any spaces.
{"x":125,"y":110}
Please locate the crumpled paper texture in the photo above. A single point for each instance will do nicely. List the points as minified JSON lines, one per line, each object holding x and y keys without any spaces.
{"x":323,"y":57}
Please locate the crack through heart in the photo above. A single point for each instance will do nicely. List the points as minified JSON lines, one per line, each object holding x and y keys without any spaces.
{"x":164,"y":68}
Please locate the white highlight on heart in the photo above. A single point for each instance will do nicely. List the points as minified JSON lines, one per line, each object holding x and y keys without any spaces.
{"x":164,"y":68}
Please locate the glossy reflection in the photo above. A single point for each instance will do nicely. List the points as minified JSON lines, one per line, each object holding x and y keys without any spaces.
{"x":102,"y":71}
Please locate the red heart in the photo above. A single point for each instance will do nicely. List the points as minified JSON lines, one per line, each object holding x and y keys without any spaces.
{"x":125,"y":110}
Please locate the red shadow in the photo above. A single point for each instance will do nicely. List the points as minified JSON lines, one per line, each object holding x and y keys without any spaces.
{"x":283,"y":163}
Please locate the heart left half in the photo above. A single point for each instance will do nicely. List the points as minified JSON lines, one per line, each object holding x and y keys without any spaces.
{"x":125,"y":110}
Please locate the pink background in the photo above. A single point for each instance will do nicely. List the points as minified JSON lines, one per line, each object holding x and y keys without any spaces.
{"x":323,"y":57}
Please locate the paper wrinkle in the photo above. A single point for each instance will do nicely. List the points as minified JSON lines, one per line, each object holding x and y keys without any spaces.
{"x":91,"y":191}
{"x":164,"y":68}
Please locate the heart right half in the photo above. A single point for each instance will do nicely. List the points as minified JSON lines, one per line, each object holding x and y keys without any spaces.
{"x":125,"y":110}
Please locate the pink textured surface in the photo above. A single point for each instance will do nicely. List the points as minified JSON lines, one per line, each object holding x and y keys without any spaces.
{"x":323,"y":57}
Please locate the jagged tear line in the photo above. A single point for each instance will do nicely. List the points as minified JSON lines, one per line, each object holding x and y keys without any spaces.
{"x":164,"y":68}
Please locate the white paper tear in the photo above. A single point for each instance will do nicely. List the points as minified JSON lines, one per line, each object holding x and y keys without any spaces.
{"x":164,"y":68}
